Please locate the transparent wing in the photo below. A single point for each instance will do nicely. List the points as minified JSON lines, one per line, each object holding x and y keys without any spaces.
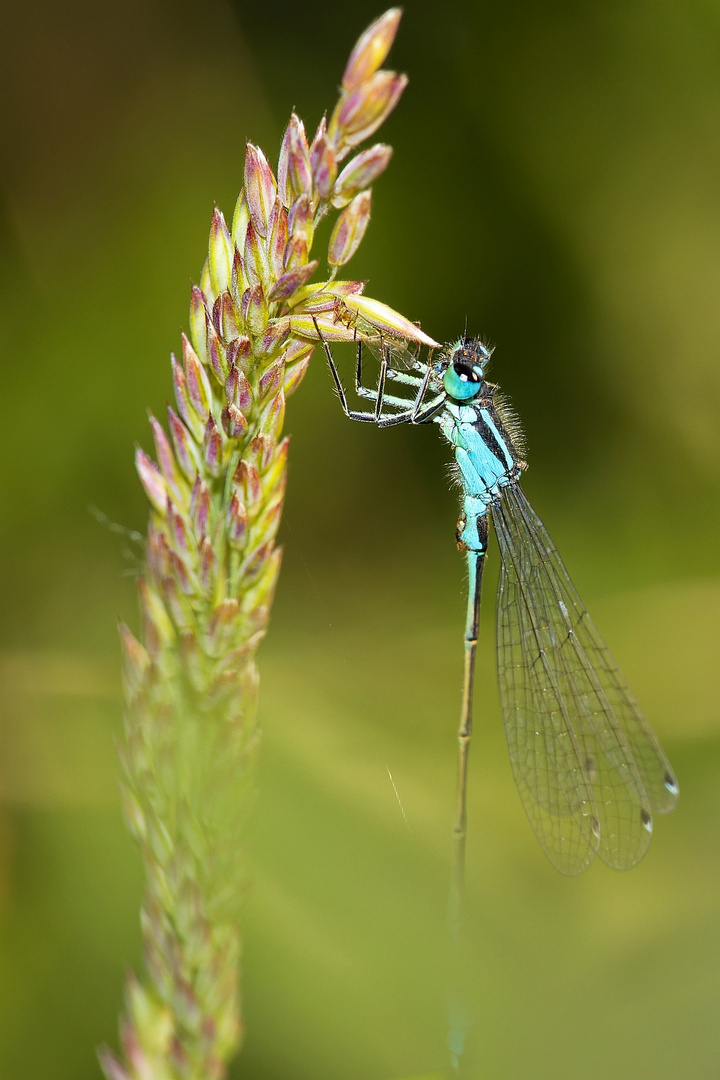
{"x":589,"y":768}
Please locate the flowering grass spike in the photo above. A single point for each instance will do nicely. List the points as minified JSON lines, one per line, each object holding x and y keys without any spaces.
{"x":215,"y":487}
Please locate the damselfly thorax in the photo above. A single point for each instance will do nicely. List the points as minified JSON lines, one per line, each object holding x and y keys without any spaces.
{"x":486,"y":455}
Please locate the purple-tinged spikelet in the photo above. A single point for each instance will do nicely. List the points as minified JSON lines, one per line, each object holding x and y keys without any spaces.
{"x":360,"y":173}
{"x":349,"y":230}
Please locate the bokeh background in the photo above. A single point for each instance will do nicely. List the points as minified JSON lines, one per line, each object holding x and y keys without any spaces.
{"x":556,"y":181}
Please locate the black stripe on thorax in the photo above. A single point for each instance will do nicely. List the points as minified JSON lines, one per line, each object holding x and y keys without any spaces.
{"x":489,"y":438}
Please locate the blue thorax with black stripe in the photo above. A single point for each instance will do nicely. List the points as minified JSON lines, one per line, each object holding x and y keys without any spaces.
{"x":483,"y":433}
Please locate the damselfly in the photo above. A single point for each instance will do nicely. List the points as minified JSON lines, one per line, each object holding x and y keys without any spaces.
{"x":589,"y":768}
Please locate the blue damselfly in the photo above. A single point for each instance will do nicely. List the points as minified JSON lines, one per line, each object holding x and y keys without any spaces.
{"x":589,"y":769}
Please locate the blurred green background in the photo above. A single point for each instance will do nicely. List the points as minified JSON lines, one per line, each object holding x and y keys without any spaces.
{"x":556,"y":180}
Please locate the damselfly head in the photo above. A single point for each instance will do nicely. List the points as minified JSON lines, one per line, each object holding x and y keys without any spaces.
{"x":464,"y":369}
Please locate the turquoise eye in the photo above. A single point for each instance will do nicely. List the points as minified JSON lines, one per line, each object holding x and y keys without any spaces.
{"x":462,"y":381}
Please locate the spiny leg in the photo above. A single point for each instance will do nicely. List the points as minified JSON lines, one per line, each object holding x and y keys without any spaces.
{"x":415,"y":414}
{"x":420,"y":414}
{"x":339,"y":388}
{"x":381,"y":389}
{"x":405,"y":377}
{"x":408,"y":378}
{"x":411,"y":411}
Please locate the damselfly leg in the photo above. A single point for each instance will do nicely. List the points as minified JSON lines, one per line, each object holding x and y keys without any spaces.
{"x":406,"y":410}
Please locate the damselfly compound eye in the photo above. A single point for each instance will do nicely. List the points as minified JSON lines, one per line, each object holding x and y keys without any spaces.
{"x":462,"y":381}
